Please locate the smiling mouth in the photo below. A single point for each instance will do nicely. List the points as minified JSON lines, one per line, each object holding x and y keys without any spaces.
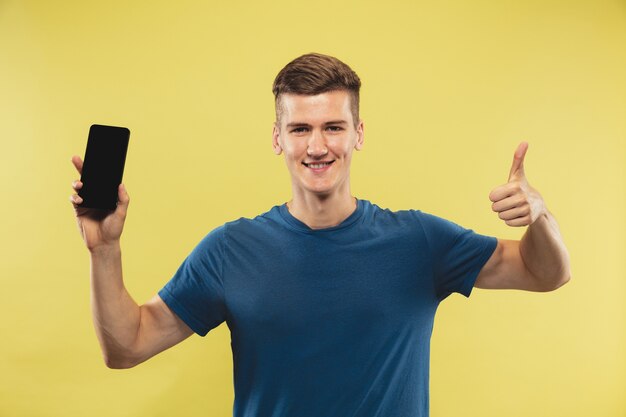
{"x":317,"y":165}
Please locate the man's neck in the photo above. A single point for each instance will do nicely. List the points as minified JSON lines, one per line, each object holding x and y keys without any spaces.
{"x":321,"y":213}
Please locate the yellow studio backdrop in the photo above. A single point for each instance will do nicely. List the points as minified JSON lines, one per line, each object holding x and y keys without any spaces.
{"x":449,"y":90}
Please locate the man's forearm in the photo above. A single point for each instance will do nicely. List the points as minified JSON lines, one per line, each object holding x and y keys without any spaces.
{"x":544,"y":252}
{"x":116,"y":316}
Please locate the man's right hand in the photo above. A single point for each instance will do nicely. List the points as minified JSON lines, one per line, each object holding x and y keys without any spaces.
{"x":98,"y":228}
{"x":128,"y":333}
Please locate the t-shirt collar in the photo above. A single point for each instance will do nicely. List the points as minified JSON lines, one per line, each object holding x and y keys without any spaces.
{"x":299,"y":225}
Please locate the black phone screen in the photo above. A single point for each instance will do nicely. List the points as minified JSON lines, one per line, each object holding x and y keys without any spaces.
{"x":103,"y":166}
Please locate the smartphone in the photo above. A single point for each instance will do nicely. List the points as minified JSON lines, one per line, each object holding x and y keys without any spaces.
{"x":103,"y":166}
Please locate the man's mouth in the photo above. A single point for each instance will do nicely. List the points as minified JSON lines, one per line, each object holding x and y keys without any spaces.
{"x":318,"y":165}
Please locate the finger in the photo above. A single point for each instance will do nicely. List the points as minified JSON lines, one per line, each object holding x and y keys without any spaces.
{"x":508,"y":203}
{"x":77,"y":185}
{"x":78,"y":163}
{"x":123,"y":200}
{"x":75,"y":199}
{"x":504,"y":191}
{"x":520,"y":221}
{"x":514,"y":213}
{"x":517,"y":168}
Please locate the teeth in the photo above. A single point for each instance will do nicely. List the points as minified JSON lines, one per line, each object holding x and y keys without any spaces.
{"x":317,"y":166}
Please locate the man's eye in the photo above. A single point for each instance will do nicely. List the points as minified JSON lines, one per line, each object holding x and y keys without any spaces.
{"x":299,"y":129}
{"x":334,"y":128}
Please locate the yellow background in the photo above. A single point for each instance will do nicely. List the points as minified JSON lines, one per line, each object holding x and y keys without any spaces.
{"x":449,"y":90}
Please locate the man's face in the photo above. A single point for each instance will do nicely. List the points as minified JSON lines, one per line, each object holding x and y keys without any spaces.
{"x":317,"y":135}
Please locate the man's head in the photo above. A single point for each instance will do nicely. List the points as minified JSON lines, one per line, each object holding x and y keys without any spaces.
{"x":313,"y":74}
{"x":318,"y":124}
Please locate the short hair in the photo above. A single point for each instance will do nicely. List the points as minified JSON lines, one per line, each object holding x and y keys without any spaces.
{"x":313,"y":74}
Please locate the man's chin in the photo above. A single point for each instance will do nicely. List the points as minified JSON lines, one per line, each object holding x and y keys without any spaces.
{"x":320,"y":188}
{"x":319,"y":191}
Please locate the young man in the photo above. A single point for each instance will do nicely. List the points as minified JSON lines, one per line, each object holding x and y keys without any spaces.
{"x":330,"y":299}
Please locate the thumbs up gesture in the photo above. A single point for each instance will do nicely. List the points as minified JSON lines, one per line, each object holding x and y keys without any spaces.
{"x":516,"y":202}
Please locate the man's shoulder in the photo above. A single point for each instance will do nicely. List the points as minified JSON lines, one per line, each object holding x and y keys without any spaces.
{"x":412,"y":220}
{"x":237,"y":228}
{"x":394,"y":215}
{"x":410,"y":214}
{"x":251,"y":221}
{"x":267,"y":220}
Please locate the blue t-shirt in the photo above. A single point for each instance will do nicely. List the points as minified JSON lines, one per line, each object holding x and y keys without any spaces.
{"x":332,"y":322}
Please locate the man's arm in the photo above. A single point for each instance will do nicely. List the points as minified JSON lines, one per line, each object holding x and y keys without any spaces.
{"x":128,"y":334}
{"x":539,"y":261}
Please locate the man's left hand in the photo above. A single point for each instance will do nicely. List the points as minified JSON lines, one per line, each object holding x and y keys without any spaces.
{"x":516,"y":202}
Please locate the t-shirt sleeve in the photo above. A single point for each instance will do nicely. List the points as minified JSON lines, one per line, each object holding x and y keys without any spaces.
{"x":458,"y":255}
{"x":196,"y":291}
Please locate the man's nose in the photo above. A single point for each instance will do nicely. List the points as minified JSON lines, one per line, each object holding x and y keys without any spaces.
{"x":317,"y":144}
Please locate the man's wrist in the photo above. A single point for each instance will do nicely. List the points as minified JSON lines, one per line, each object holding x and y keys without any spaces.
{"x":106,"y":249}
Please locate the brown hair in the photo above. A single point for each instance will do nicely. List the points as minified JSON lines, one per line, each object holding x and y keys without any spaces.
{"x":313,"y":74}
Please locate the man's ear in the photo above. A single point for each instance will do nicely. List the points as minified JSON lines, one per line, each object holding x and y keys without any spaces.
{"x":275,"y":139}
{"x":359,"y":136}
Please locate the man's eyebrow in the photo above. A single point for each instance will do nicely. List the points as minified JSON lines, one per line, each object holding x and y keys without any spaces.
{"x":297,"y":124}
{"x":332,"y":122}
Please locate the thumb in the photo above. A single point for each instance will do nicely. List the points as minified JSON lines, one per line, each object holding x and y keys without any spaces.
{"x":517,"y":168}
{"x":124,"y":200}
